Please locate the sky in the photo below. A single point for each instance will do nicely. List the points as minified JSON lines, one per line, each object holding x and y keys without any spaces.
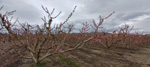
{"x":133,"y":12}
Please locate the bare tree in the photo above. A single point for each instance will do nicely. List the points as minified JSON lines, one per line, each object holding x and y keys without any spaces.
{"x":42,"y":42}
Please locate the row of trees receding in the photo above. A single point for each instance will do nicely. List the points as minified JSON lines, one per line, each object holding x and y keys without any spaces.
{"x":38,"y":43}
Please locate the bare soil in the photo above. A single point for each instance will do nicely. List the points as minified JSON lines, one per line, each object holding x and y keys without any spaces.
{"x":94,"y":57}
{"x":119,"y":57}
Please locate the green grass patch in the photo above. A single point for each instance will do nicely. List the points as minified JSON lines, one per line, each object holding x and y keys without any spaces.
{"x":67,"y":62}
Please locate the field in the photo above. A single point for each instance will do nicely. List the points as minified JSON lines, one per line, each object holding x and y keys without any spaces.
{"x":47,"y":45}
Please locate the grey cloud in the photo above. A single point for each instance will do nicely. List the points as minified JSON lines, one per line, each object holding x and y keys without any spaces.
{"x":128,"y":16}
{"x":144,"y":24}
{"x":97,"y":6}
{"x":87,"y":10}
{"x":24,"y":10}
{"x":29,"y":13}
{"x":104,"y":7}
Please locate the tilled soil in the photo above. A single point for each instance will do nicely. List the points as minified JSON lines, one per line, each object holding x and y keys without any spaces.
{"x":88,"y":57}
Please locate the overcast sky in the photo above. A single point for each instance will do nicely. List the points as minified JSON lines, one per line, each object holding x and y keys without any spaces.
{"x":133,"y":12}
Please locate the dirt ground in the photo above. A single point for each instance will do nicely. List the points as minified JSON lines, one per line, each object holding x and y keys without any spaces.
{"x":118,"y":57}
{"x":99,"y":57}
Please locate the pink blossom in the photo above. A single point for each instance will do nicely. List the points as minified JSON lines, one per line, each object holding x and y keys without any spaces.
{"x":2,"y":52}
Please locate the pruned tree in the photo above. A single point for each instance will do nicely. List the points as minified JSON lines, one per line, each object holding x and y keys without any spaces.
{"x":37,"y":44}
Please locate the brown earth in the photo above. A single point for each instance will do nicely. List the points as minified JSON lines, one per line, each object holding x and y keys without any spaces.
{"x":113,"y":58}
{"x":96,"y":57}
